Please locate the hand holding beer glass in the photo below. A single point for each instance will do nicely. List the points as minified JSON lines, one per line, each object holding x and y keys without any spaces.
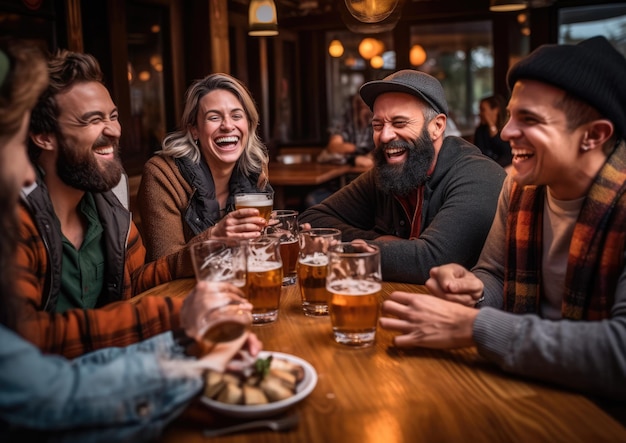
{"x":312,"y":268}
{"x":227,"y":314}
{"x":284,"y":227}
{"x":263,"y":201}
{"x":354,"y":283}
{"x":265,"y":278}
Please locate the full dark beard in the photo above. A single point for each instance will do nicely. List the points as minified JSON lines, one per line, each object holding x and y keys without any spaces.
{"x":403,"y":178}
{"x":81,"y":171}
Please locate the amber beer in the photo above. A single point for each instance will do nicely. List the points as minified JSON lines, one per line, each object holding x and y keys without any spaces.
{"x":289,"y":253}
{"x":312,"y":273}
{"x":261,"y":201}
{"x":225,"y":329}
{"x":263,"y":290}
{"x":354,"y":309}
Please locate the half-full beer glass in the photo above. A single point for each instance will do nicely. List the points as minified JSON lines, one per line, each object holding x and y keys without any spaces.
{"x":265,"y":278}
{"x":284,"y":227}
{"x":313,"y":267}
{"x":354,"y":284}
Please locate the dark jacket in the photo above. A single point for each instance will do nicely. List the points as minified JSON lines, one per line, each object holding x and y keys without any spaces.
{"x":177,"y":203}
{"x":460,"y":199}
{"x":117,"y":323}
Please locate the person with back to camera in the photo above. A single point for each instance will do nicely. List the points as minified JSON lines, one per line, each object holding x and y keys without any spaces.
{"x":551,"y":279}
{"x":429,"y":199}
{"x":187,"y":190}
{"x":113,"y":394}
{"x":487,"y":135}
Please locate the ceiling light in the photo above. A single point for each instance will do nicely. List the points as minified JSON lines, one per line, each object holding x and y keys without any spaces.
{"x":507,"y":5}
{"x":262,"y":18}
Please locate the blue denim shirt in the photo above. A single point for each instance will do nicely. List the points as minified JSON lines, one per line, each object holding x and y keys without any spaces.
{"x":113,"y":394}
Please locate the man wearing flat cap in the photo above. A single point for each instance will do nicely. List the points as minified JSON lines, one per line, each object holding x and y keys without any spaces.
{"x":551,"y":280}
{"x":429,"y":199}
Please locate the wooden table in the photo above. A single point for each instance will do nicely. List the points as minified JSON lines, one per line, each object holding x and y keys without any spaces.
{"x":382,"y":394}
{"x":307,"y":174}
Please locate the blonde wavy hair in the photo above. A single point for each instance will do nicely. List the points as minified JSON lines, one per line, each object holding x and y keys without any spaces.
{"x":180,"y":143}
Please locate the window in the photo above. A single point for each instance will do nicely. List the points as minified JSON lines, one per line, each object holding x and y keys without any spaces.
{"x":460,"y":55}
{"x":580,"y":23}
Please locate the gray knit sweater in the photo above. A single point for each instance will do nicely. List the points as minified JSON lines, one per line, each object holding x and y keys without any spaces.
{"x":589,"y":356}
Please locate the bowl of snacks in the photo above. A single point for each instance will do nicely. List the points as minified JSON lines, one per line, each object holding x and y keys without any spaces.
{"x":275,"y":383}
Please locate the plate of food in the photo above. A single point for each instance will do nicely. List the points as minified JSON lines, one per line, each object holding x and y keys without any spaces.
{"x":276,"y":382}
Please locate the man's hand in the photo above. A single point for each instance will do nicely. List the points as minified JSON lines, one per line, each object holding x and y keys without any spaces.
{"x":427,"y":321}
{"x":204,"y":298}
{"x":455,"y":283}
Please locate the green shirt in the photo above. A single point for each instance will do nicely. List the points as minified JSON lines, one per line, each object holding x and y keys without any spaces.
{"x":82,"y":273}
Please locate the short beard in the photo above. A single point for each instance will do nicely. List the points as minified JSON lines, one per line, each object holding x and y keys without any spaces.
{"x":83,"y":172}
{"x":403,"y":178}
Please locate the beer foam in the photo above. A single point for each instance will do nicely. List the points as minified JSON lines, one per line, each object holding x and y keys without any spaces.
{"x":263,"y":266}
{"x":314,"y":260}
{"x":354,"y":287}
{"x":253,"y":199}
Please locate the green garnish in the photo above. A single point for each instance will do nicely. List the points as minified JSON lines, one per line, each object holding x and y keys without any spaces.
{"x":262,"y":366}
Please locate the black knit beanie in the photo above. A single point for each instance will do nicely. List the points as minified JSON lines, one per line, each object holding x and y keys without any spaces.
{"x":592,"y":70}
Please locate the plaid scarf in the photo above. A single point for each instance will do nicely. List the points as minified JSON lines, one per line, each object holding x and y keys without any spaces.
{"x":596,"y":250}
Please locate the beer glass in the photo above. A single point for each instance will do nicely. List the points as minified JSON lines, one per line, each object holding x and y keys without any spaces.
{"x":354,"y":284}
{"x":313,"y":266}
{"x":222,"y":260}
{"x":265,"y":278}
{"x":284,"y":227}
{"x":263,"y":201}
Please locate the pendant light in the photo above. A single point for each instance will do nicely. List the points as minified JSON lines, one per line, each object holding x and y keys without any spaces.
{"x":262,"y":18}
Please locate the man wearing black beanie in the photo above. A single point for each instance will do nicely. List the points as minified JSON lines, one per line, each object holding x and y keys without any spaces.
{"x":551,"y":279}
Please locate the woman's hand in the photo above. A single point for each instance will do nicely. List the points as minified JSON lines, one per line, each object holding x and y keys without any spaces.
{"x":241,"y":223}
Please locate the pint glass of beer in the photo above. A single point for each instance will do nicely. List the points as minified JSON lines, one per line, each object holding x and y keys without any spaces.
{"x":265,"y":278}
{"x":284,"y":227}
{"x":263,"y":201}
{"x":220,"y":259}
{"x":313,"y":266}
{"x":354,"y":284}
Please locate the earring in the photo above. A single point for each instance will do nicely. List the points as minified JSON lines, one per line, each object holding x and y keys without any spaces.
{"x":584,"y":148}
{"x":197,"y":142}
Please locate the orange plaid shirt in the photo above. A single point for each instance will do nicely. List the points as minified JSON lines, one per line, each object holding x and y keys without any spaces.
{"x":118,"y":323}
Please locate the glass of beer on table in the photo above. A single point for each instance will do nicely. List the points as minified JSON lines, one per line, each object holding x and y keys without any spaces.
{"x":265,"y":278}
{"x":263,"y":201}
{"x":284,"y":227}
{"x":223,"y":260}
{"x":354,"y":284}
{"x":313,"y":266}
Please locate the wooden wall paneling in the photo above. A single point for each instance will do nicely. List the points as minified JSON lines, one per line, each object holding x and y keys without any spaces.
{"x":74,"y":26}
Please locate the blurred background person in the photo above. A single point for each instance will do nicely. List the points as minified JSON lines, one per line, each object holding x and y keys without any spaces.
{"x":187,"y":190}
{"x":351,"y":141}
{"x":487,"y":135}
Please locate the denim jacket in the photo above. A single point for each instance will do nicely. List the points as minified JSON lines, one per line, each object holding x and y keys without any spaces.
{"x":113,"y":394}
